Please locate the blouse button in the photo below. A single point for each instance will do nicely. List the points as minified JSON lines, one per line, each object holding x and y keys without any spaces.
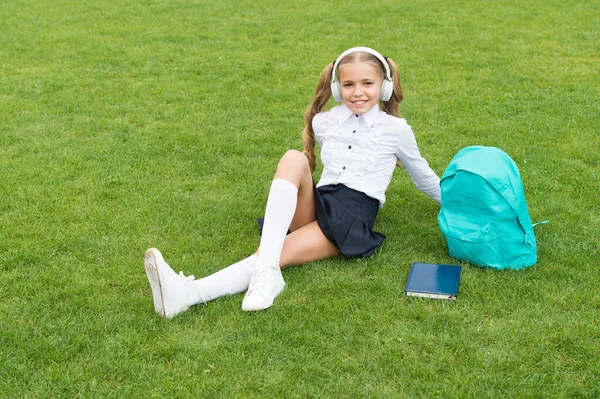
{"x":354,"y":131}
{"x":344,"y":168}
{"x":356,"y":115}
{"x":349,"y":147}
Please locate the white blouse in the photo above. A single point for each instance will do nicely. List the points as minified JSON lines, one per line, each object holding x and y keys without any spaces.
{"x":361,"y":151}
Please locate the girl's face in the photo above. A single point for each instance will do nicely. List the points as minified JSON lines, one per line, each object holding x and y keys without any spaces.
{"x":361,"y":85}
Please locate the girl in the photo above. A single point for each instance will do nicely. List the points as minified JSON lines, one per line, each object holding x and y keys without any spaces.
{"x":360,"y":147}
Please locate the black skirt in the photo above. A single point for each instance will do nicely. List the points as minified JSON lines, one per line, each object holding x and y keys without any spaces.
{"x":346,"y":217}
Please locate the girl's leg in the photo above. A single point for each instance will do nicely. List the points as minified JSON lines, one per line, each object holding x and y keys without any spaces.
{"x":306,"y":244}
{"x":303,"y":245}
{"x":174,"y":293}
{"x":228,"y":281}
{"x":291,"y":206}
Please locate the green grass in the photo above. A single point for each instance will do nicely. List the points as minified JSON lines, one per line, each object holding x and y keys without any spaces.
{"x":130,"y":124}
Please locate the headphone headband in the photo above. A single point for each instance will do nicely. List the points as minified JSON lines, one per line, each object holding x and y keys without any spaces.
{"x":382,"y":59}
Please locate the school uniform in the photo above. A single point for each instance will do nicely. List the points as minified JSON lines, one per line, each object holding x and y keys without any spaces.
{"x":359,"y":154}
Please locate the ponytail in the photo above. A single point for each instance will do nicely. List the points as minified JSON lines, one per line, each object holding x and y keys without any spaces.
{"x":322,"y":95}
{"x":391,"y":106}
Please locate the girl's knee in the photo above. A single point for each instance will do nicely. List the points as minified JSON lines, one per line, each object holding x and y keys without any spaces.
{"x":293,"y":166}
{"x":293,"y":159}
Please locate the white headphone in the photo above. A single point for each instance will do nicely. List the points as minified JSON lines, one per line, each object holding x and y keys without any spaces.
{"x":387,"y":86}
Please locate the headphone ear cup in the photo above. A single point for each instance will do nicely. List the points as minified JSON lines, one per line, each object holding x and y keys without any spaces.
{"x":336,"y":91}
{"x":387,"y":89}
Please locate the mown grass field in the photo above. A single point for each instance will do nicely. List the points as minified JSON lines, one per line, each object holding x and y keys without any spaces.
{"x":131,"y":124}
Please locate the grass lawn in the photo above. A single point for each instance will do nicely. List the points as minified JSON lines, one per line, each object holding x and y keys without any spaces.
{"x":130,"y":124}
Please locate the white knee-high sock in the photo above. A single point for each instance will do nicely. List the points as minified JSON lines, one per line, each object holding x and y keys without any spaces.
{"x":228,"y":281}
{"x":281,"y":206}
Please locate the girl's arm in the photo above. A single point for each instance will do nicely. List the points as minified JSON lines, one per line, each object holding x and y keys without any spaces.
{"x":424,"y":178}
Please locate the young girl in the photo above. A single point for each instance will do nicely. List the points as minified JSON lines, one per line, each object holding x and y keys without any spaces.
{"x":360,"y":146}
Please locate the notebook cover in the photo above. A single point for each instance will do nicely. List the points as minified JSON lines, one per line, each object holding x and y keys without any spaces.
{"x":433,"y":280}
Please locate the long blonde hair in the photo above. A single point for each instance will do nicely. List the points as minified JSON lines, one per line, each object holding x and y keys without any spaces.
{"x":323,"y":93}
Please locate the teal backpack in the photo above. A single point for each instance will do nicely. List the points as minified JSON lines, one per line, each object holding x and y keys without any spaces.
{"x":484,"y":217}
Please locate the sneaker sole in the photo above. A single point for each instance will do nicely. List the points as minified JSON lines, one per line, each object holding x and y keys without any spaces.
{"x":150,"y":264}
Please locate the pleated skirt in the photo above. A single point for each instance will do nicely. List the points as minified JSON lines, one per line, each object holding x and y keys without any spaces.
{"x":346,"y":217}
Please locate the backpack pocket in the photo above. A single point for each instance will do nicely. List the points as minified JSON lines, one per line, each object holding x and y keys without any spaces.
{"x":473,"y":243}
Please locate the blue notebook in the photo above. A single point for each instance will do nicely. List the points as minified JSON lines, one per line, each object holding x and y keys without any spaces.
{"x":431,"y":280}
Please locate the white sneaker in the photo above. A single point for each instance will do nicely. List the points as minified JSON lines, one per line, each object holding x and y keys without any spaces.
{"x":265,"y":285}
{"x":169,"y":289}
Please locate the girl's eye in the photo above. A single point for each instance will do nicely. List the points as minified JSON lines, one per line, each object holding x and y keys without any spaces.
{"x":368,"y":83}
{"x":347,"y":84}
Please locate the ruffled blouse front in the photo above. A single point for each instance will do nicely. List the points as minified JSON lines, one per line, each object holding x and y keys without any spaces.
{"x":361,"y":152}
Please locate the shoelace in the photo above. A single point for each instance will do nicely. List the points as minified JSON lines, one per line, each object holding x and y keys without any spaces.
{"x":185,"y":279}
{"x":259,"y":279}
{"x":188,"y":279}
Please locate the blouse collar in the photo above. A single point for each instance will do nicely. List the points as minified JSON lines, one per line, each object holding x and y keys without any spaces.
{"x":370,"y":117}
